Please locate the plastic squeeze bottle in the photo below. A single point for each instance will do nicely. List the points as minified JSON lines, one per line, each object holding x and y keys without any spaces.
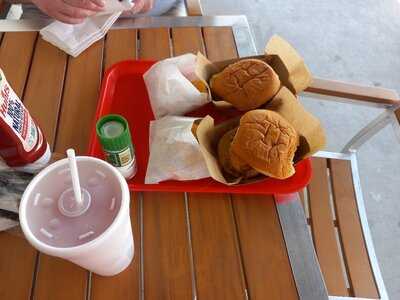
{"x":22,"y":143}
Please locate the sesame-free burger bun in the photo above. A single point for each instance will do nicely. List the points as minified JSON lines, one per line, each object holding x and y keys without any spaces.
{"x":267,"y":142}
{"x":246,"y":84}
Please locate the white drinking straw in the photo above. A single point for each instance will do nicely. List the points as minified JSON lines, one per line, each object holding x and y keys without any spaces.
{"x":75,"y":176}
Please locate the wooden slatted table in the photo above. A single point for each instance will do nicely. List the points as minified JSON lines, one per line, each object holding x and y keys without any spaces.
{"x":187,"y":246}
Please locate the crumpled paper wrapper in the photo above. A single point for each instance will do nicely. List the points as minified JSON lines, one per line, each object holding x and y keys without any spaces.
{"x":174,"y":151}
{"x":174,"y":88}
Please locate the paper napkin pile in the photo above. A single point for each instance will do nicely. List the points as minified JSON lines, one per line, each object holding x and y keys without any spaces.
{"x":74,"y":39}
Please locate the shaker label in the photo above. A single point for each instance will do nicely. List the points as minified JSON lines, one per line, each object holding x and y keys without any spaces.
{"x":14,"y":113}
{"x":120,"y":158}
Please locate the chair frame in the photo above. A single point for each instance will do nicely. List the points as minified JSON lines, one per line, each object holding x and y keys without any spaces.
{"x":193,"y":7}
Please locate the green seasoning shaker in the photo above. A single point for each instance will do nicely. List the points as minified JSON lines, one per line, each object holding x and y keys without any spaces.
{"x":115,"y":138}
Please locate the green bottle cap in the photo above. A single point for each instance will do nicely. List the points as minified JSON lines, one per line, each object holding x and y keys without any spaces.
{"x":113,"y":133}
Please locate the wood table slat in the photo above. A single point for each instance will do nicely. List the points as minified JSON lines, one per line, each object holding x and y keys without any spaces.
{"x":17,"y":257}
{"x":120,"y":45}
{"x":17,"y":49}
{"x":216,"y":259}
{"x":154,"y":43}
{"x":220,"y":43}
{"x":126,"y":285}
{"x":45,"y":85}
{"x":167,"y":273}
{"x":43,"y":97}
{"x":266,"y":262}
{"x":76,"y":116}
{"x":187,"y":40}
{"x":356,"y":257}
{"x":79,"y":101}
{"x":17,"y":265}
{"x":323,"y":229}
{"x":217,"y":262}
{"x":59,"y":279}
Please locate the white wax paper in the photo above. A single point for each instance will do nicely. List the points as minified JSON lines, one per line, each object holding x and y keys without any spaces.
{"x":169,"y":87}
{"x":174,"y":151}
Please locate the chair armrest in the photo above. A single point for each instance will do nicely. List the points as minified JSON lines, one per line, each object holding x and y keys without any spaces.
{"x":193,"y":7}
{"x":355,"y":92}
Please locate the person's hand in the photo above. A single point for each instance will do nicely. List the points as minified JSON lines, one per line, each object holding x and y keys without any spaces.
{"x":141,"y":6}
{"x":70,"y":11}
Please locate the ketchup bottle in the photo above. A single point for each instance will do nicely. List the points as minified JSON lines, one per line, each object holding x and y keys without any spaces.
{"x":22,"y":143}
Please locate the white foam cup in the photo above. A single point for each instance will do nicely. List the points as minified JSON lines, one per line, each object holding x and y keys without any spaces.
{"x":95,"y":233}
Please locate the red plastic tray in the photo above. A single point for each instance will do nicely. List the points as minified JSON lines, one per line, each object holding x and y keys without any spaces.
{"x":123,"y":92}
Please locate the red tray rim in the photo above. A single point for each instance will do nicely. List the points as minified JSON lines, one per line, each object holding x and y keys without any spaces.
{"x":164,"y":188}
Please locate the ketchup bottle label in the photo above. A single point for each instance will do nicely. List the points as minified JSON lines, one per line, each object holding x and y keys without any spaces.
{"x":14,"y":113}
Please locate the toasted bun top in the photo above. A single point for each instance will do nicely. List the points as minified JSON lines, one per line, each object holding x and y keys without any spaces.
{"x":267,"y":142}
{"x":246,"y":84}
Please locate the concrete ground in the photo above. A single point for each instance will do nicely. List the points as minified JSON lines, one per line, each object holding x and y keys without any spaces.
{"x":356,"y":41}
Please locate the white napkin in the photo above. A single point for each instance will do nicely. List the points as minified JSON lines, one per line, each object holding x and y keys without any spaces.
{"x":174,"y":151}
{"x":169,"y":87}
{"x":74,"y":39}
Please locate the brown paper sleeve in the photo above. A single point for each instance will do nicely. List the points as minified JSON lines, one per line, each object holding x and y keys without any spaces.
{"x":312,"y":135}
{"x":289,"y":65}
{"x":208,"y":137}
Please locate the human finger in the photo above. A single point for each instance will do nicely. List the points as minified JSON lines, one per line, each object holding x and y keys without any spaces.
{"x":84,"y":4}
{"x":75,"y":12}
{"x":67,"y":19}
